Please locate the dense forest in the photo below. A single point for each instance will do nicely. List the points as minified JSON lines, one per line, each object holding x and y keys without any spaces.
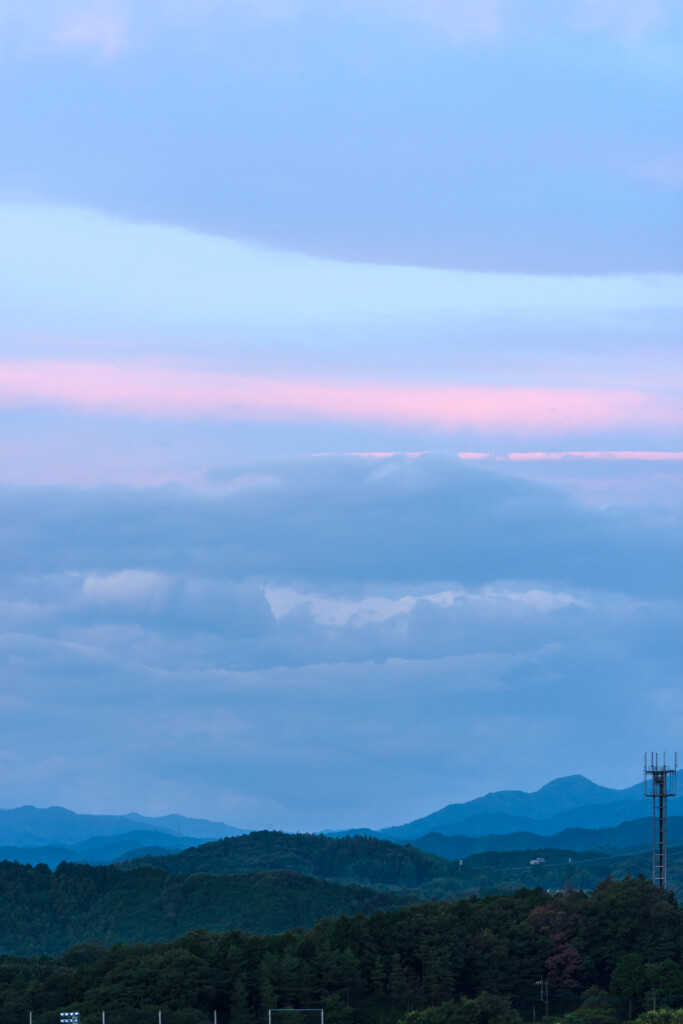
{"x":505,"y":871}
{"x":606,"y":956}
{"x":360,"y":859}
{"x":383,"y":864}
{"x":47,"y":911}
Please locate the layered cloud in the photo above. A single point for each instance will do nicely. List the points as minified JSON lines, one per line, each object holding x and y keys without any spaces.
{"x":158,"y":345}
{"x":210,"y":116}
{"x":390,"y":622}
{"x":347,"y":519}
{"x":242,"y":234}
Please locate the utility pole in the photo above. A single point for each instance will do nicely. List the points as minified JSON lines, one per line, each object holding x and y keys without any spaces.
{"x":543,"y":983}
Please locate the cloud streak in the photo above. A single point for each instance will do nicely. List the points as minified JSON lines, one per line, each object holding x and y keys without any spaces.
{"x":157,"y":391}
{"x":618,"y":456}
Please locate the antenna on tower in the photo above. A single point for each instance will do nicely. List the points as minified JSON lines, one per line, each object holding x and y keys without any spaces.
{"x":660,"y":784}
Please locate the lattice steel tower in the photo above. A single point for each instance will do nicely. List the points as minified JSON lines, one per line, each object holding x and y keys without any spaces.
{"x":660,"y":784}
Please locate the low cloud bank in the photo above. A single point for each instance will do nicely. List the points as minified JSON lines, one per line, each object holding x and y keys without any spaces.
{"x":328,"y":642}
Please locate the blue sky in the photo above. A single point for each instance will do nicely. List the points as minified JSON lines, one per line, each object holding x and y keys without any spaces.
{"x":340,"y":401}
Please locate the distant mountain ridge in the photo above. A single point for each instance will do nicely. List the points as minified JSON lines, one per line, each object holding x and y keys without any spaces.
{"x":49,"y":826}
{"x":101,"y":849}
{"x":586,"y":816}
{"x":561,"y":796}
{"x":569,"y":802}
{"x":627,"y":835}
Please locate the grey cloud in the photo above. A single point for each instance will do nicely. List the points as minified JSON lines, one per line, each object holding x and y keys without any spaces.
{"x":224,"y":135}
{"x":501,"y":622}
{"x":329,"y":744}
{"x":345,"y":519}
{"x":143,"y":599}
{"x":301,"y":738}
{"x":142,"y":663}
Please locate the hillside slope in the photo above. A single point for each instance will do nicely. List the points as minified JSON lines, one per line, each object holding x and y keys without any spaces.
{"x":46,"y":912}
{"x":381,"y":864}
{"x":360,"y":859}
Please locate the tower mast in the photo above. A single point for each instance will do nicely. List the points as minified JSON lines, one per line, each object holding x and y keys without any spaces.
{"x":660,"y":784}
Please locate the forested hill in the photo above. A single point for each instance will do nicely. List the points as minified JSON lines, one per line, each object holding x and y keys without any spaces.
{"x":459,"y":962}
{"x":360,"y":859}
{"x":385,"y":865}
{"x":47,"y":911}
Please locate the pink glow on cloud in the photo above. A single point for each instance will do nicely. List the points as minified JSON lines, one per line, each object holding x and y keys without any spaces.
{"x":642,"y":456}
{"x":628,"y":17}
{"x":621,"y":456}
{"x":382,"y":455}
{"x":144,"y":389}
{"x":99,"y":27}
{"x":461,"y":19}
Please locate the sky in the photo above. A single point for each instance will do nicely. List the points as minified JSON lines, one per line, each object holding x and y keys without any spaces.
{"x":341,"y":420}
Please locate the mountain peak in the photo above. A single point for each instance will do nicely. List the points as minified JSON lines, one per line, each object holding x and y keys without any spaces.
{"x":555,"y":797}
{"x":576,"y":784}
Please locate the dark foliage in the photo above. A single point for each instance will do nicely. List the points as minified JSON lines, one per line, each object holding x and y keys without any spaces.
{"x":46,"y":912}
{"x":360,"y":859}
{"x":382,"y":864}
{"x":475,"y":961}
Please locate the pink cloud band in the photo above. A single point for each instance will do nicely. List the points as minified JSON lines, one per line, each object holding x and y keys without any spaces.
{"x":605,"y":456}
{"x":143,"y":389}
{"x":620,"y":456}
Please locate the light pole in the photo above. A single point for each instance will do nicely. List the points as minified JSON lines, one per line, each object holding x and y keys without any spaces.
{"x":543,"y":983}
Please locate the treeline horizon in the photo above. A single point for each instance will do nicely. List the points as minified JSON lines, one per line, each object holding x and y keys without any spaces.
{"x":476,"y":961}
{"x":262,"y":883}
{"x":382,"y":863}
